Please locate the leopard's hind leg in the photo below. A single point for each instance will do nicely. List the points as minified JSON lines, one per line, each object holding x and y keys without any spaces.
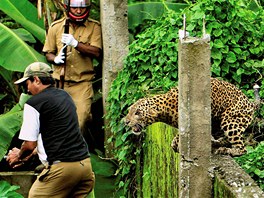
{"x":234,"y":127}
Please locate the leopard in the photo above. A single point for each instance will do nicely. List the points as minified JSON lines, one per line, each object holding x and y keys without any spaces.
{"x":230,"y":108}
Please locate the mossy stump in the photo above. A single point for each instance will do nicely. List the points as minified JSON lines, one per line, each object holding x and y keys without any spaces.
{"x":159,"y":165}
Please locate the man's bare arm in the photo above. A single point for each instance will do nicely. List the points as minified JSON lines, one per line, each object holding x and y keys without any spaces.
{"x":16,"y":157}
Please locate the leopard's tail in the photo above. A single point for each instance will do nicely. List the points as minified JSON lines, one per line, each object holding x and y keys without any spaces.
{"x":258,"y":101}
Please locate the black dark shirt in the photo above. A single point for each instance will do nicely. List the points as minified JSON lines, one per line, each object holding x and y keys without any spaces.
{"x":59,"y":126}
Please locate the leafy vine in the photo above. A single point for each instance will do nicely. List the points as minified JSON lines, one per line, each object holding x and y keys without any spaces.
{"x":152,"y":66}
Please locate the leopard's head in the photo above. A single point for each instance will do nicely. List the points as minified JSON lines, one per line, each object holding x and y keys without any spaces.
{"x":141,"y":114}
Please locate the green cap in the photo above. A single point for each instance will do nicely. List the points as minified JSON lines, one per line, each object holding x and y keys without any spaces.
{"x":36,"y":69}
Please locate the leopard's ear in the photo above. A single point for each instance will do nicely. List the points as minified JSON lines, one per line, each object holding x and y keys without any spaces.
{"x":138,"y":112}
{"x":153,"y":112}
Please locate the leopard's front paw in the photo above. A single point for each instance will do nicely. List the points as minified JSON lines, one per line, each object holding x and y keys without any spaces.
{"x":220,"y":142}
{"x":175,"y":144}
{"x":230,"y":151}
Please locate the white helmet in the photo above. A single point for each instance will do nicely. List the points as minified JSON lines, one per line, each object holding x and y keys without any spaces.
{"x":79,"y":4}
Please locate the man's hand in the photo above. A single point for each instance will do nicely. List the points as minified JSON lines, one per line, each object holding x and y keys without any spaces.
{"x":13,"y":158}
{"x":69,"y":40}
{"x":60,"y":57}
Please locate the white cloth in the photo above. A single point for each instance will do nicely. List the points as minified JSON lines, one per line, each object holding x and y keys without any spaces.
{"x":68,"y":39}
{"x":30,"y":130}
{"x":60,"y":57}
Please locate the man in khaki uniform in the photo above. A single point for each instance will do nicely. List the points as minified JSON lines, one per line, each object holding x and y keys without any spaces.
{"x":84,"y":43}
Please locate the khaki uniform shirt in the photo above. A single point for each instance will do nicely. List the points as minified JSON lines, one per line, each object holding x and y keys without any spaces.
{"x":79,"y":67}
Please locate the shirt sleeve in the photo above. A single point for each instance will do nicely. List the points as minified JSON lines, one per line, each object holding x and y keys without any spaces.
{"x":30,"y":126}
{"x":50,"y":42}
{"x":96,"y":38}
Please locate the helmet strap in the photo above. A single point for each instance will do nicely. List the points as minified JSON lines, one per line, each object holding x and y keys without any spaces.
{"x":79,"y":19}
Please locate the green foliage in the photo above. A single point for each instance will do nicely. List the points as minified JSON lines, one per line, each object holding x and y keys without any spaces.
{"x":7,"y":191}
{"x":25,"y":13}
{"x":20,"y":50}
{"x":170,"y":1}
{"x":9,"y":92}
{"x":22,"y":34}
{"x":95,"y":10}
{"x":138,"y":12}
{"x":252,"y":163}
{"x":152,"y":65}
{"x":105,"y":178}
{"x":236,"y":33}
{"x":10,"y":124}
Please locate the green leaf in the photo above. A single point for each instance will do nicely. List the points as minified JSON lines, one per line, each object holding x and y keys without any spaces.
{"x":225,"y":68}
{"x":122,"y":154}
{"x":218,"y":43}
{"x":216,"y":69}
{"x":24,"y":35}
{"x":237,"y":50}
{"x":8,"y":191}
{"x":7,"y":75}
{"x":236,"y":77}
{"x":198,"y":15}
{"x":22,"y":54}
{"x":2,"y":96}
{"x":240,"y":71}
{"x":231,"y":57}
{"x":25,"y":13}
{"x":217,"y":32}
{"x":216,"y":54}
{"x":10,"y":124}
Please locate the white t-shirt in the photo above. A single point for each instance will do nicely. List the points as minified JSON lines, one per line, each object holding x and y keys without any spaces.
{"x":30,"y":130}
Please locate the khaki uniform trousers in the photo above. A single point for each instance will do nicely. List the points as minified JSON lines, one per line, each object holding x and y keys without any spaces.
{"x":64,"y":180}
{"x":82,"y":94}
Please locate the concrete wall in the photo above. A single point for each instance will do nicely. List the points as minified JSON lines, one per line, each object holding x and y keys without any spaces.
{"x":231,"y":180}
{"x":24,"y":179}
{"x":160,"y":170}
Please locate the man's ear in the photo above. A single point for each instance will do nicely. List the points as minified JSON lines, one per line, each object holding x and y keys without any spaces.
{"x":37,"y":80}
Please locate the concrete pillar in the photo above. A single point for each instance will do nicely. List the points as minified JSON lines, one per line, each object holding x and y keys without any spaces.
{"x":194,"y":118}
{"x":115,"y":47}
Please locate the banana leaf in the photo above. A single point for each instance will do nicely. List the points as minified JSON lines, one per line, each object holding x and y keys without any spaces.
{"x":10,"y":124}
{"x":24,"y":35}
{"x":15,"y":54}
{"x":24,"y":13}
{"x":138,"y":12}
{"x":6,"y":190}
{"x":7,"y":76}
{"x":105,"y":178}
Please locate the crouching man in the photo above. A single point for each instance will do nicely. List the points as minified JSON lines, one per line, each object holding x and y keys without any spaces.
{"x":50,"y":126}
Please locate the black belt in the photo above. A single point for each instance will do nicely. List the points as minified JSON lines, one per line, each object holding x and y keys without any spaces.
{"x":65,"y":82}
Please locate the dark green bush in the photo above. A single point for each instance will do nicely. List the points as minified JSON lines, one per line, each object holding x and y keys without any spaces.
{"x":252,"y":162}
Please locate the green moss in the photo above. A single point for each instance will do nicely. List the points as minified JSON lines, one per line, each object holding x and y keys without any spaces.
{"x":221,"y":190}
{"x":160,"y":162}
